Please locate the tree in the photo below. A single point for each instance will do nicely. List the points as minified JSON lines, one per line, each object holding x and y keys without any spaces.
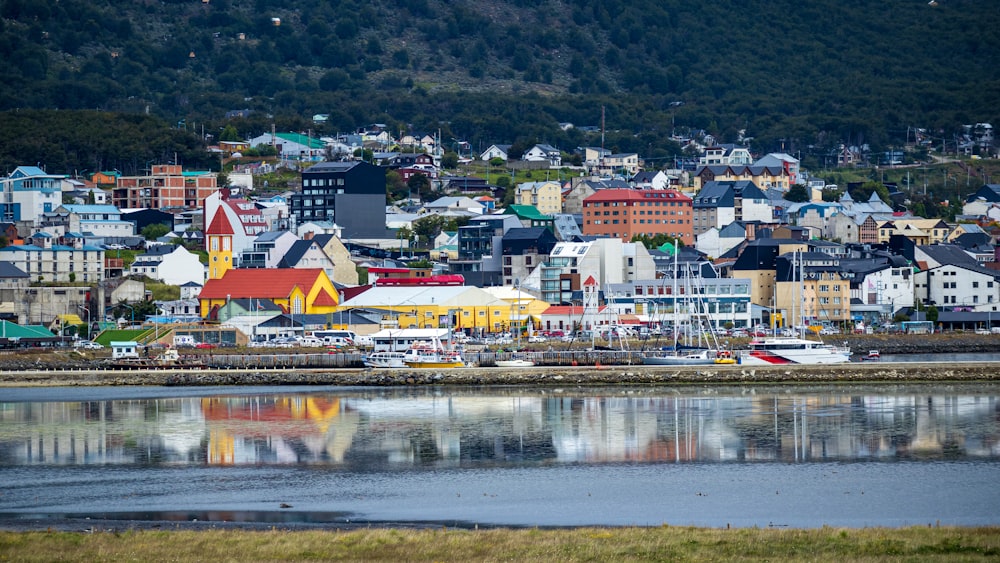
{"x":449,"y":160}
{"x":419,"y":184}
{"x":230,"y":134}
{"x":798,"y":193}
{"x":395,"y":189}
{"x":932,"y":313}
{"x":154,"y":231}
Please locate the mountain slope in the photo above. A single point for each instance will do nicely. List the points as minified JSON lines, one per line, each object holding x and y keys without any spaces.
{"x":814,"y":72}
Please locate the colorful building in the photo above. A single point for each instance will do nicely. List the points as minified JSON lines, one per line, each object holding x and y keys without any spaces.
{"x":297,"y":291}
{"x":626,"y":213}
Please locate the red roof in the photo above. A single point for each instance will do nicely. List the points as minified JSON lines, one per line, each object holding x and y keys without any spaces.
{"x":624,"y":194}
{"x":324,"y":299}
{"x":567,"y":310}
{"x":220,"y":224}
{"x":590,"y":281}
{"x":276,"y":283}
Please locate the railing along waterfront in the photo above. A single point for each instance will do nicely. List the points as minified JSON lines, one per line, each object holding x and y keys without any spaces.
{"x":481,"y":359}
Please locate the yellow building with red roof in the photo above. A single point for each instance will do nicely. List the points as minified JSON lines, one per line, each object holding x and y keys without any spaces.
{"x":297,"y":291}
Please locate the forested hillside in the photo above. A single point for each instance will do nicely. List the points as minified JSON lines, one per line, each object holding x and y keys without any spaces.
{"x":802,"y":75}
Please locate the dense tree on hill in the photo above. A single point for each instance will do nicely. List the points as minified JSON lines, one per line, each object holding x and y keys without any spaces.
{"x":829,"y":72}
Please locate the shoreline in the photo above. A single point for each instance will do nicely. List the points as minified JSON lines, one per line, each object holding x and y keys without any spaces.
{"x":874,"y":372}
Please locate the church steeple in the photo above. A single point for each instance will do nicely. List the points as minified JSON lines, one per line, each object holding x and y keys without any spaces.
{"x":219,"y":243}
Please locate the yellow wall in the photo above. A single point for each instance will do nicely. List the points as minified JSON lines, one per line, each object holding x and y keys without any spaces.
{"x":220,"y":255}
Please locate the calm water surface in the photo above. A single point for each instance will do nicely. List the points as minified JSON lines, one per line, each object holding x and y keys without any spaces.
{"x":744,"y":456}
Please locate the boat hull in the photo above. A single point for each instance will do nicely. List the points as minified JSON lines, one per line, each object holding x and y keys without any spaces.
{"x":676,"y":361}
{"x":515,"y":363}
{"x":434,"y":363}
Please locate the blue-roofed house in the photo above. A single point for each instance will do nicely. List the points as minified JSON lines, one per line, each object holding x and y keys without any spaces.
{"x":44,"y":259}
{"x":99,"y":220}
{"x":28,"y":193}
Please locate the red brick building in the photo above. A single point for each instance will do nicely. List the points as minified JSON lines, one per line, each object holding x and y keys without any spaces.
{"x":166,"y":187}
{"x":625,"y":213}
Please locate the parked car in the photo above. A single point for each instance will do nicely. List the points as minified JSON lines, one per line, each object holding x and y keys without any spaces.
{"x":87,"y":345}
{"x":205,"y":345}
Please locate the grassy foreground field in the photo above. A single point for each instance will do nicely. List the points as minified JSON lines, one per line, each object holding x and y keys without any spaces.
{"x":585,"y":544}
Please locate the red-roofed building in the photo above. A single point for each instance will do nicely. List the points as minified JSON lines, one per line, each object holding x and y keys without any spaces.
{"x":566,"y":318}
{"x":296,"y":290}
{"x":625,"y":213}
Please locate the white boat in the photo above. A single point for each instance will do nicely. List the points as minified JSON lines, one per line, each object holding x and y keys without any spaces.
{"x":690,"y":358}
{"x":777,"y":350}
{"x":681,"y":358}
{"x":431,"y":354}
{"x":384,"y":360}
{"x":515,"y":362}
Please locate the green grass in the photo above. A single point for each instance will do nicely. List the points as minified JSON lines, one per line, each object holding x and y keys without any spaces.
{"x":583,"y":544}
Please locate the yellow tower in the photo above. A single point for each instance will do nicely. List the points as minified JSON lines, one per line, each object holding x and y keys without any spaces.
{"x":219,"y":243}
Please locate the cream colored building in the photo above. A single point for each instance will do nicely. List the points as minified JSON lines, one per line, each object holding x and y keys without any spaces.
{"x":545,"y":196}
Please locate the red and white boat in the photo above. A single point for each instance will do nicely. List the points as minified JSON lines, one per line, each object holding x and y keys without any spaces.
{"x":778,"y":350}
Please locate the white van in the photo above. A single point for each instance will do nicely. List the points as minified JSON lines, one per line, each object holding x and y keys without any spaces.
{"x":330,"y":337}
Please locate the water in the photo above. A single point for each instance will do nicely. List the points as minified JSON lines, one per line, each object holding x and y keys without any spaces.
{"x":741,"y":456}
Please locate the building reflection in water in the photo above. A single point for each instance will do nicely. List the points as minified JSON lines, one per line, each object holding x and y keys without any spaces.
{"x":435,"y":429}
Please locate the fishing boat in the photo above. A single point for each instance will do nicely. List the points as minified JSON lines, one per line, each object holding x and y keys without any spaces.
{"x":777,"y":350}
{"x":432,"y":354}
{"x":384,"y":360}
{"x":873,"y":356}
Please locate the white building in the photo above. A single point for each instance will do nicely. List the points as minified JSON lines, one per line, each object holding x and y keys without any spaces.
{"x":170,"y":264}
{"x":46,"y":261}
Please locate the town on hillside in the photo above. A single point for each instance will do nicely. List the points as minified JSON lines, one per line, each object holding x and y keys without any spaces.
{"x":379,"y":233}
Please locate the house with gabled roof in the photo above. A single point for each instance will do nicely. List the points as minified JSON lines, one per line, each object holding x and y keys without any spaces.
{"x":27,"y":193}
{"x":762,"y":176}
{"x":720,"y":203}
{"x":530,"y":216}
{"x":981,"y":200}
{"x":543,"y":153}
{"x":624,"y":165}
{"x":344,"y":271}
{"x":546,"y":196}
{"x":716,"y":242}
{"x":307,"y":254}
{"x":267,"y":250}
{"x":296,"y":290}
{"x":292,"y":146}
{"x":171,"y":264}
{"x":726,"y":154}
{"x":650,"y":180}
{"x":495,"y":151}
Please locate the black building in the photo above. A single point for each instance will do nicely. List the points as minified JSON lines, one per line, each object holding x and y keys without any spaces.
{"x":350,"y":194}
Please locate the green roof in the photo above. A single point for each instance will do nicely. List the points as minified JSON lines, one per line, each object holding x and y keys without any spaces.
{"x":667,"y":248}
{"x":123,"y":335}
{"x":301,"y":139}
{"x":528,"y":212}
{"x":11,"y":330}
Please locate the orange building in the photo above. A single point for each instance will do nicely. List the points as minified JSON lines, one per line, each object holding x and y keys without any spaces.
{"x":166,"y":187}
{"x":625,"y":213}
